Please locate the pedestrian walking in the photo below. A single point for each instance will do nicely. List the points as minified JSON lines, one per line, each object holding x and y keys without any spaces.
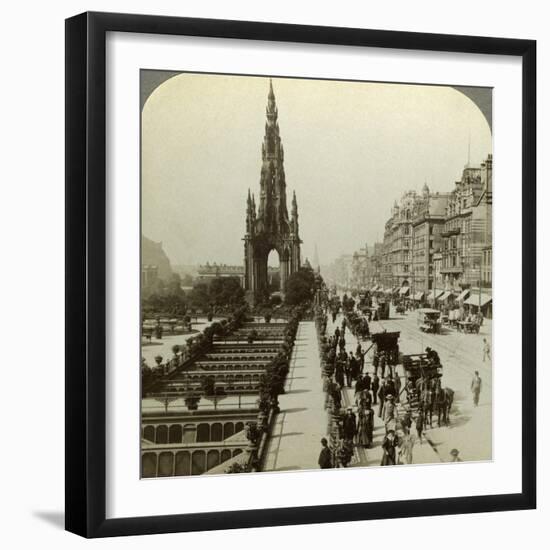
{"x":475,"y":386}
{"x":348,"y":370}
{"x":406,"y":449}
{"x":454,"y":456}
{"x":388,"y":411}
{"x":369,"y":416}
{"x":325,"y":456}
{"x":397,"y":385}
{"x":349,"y":424}
{"x":486,"y":350}
{"x":362,"y":439}
{"x":388,"y":448}
{"x":382,"y":364}
{"x":419,"y":424}
{"x":375,"y":387}
{"x":367,"y":382}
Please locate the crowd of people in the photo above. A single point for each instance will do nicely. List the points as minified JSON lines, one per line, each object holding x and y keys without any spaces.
{"x":379,"y":392}
{"x":381,"y":389}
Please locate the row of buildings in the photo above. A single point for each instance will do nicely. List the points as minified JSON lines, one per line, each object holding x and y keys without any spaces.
{"x":432,"y":241}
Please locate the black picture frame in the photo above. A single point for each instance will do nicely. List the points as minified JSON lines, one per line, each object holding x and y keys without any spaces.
{"x":86,"y":268}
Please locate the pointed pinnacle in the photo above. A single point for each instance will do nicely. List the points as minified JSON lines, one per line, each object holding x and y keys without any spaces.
{"x":271,"y":94}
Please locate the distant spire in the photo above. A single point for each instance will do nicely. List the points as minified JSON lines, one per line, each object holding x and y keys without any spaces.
{"x":316,"y":257}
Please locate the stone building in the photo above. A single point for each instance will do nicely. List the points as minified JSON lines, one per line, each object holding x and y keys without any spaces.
{"x":467,"y":233}
{"x":377,"y":264}
{"x":398,"y":239}
{"x":428,"y":223}
{"x":361,"y":269}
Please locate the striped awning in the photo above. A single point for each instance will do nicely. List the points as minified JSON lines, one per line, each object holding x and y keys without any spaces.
{"x":462,"y":296}
{"x":418,"y":296}
{"x":446,"y":295}
{"x":404,"y":290}
{"x":435,"y":294}
{"x":476,"y":300}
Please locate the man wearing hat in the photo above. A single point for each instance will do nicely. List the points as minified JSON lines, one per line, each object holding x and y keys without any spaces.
{"x":476,"y":387}
{"x":325,"y":457}
{"x":454,"y":456}
{"x":388,"y":448}
{"x":433,"y":356}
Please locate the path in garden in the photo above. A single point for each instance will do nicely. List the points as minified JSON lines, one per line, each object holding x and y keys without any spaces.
{"x":302,"y":422}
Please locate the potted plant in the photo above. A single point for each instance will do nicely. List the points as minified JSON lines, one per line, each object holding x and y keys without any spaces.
{"x":192,"y":401}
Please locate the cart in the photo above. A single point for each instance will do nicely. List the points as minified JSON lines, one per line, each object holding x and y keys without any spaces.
{"x":429,"y":320}
{"x":416,"y":367}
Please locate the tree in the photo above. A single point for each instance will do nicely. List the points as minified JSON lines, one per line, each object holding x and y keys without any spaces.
{"x":300,"y":287}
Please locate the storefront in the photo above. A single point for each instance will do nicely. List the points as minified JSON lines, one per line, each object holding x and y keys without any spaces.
{"x":483,"y":300}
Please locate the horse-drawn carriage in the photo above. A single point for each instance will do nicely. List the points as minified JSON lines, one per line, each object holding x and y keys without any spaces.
{"x":386,"y":345}
{"x":423,"y":387}
{"x":429,"y":320}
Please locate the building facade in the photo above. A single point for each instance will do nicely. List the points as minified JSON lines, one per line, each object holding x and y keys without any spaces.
{"x":428,"y":223}
{"x":467,"y":233}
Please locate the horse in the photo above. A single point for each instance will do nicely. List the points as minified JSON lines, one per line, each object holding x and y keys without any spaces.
{"x":444,"y":401}
{"x":427,"y":400}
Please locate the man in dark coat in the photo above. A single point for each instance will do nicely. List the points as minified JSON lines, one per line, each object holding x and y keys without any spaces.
{"x":360,"y":384}
{"x":348,"y":371}
{"x":366,"y":382}
{"x":349,"y":424}
{"x":388,"y":447}
{"x":325,"y":456}
{"x":339,"y":372}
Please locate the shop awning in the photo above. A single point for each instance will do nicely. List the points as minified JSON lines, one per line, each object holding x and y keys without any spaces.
{"x":463,"y":294}
{"x":418,"y":296}
{"x":404,"y":290}
{"x":445,"y":296}
{"x":476,"y":300}
{"x":395,"y":290}
{"x":435,"y":294}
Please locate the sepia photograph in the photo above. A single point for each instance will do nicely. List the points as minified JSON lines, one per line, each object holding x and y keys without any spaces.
{"x":316,"y":274}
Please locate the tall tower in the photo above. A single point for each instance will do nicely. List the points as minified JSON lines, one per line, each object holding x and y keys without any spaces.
{"x":270,"y":228}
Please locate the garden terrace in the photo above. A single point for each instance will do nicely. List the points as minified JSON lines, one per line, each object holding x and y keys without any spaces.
{"x":230,"y":365}
{"x":243,"y":347}
{"x":230,"y":382}
{"x":240,"y":356}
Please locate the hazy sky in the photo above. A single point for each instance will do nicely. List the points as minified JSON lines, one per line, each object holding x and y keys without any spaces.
{"x":350,"y":150}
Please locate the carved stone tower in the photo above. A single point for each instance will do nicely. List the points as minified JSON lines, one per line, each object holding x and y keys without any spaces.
{"x":270,"y":227}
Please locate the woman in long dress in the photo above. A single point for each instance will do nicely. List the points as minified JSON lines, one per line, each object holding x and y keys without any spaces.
{"x":406,"y":449}
{"x":362,"y":438}
{"x":369,"y":420}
